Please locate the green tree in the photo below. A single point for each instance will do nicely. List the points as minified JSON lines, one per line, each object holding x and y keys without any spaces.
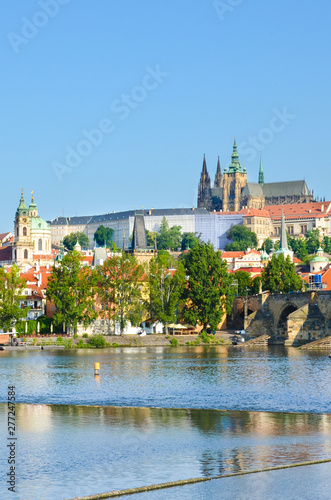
{"x":279,"y":275}
{"x":166,"y":280}
{"x":267,"y":245}
{"x":299,"y":247}
{"x":208,"y":293}
{"x":276,"y":245}
{"x":72,"y":288}
{"x":11,"y":293}
{"x":150,"y":238}
{"x":313,"y":241}
{"x":103,"y":236}
{"x":242,"y":238}
{"x":168,"y":238}
{"x":326,"y":244}
{"x":255,"y":285}
{"x":244,"y":282}
{"x":71,"y":239}
{"x":120,"y":290}
{"x":189,"y":240}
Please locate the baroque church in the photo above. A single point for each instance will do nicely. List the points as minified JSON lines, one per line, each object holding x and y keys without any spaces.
{"x":32,"y":235}
{"x":232,"y":192}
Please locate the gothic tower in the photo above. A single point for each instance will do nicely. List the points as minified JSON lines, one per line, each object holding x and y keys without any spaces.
{"x":204,"y":190}
{"x":23,"y":247}
{"x":218,"y":183}
{"x":234,"y":182}
{"x":261,"y":173}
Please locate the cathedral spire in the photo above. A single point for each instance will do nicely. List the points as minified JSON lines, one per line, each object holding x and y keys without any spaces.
{"x":218,"y":176}
{"x":261,"y":173}
{"x":283,"y":235}
{"x":204,"y":166}
{"x":204,"y":190}
{"x":22,"y":208}
{"x":235,"y":165}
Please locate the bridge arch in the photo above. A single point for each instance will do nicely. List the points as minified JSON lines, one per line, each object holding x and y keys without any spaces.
{"x":281,"y":324}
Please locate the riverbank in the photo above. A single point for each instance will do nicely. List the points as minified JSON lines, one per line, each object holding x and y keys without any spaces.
{"x":156,"y":340}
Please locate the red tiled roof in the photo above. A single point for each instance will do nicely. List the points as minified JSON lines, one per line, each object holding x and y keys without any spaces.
{"x":5,"y":253}
{"x":300,"y":209}
{"x":238,"y":255}
{"x":251,"y":212}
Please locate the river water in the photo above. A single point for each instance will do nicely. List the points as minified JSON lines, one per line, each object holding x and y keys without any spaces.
{"x":162,"y":414}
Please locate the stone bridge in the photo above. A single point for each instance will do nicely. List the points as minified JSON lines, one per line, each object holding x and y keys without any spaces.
{"x":290,"y":319}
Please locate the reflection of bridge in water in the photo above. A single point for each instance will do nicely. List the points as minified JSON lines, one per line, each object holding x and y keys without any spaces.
{"x":289,"y":318}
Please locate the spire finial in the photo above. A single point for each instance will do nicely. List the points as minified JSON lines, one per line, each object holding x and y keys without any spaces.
{"x":261,"y":172}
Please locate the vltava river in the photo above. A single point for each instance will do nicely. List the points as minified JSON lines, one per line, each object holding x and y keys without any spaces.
{"x":163,"y":414}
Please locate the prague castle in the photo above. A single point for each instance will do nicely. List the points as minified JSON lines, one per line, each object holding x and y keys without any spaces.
{"x":232,"y":192}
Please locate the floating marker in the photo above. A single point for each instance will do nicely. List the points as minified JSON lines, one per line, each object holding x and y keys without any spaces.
{"x":96,"y":368}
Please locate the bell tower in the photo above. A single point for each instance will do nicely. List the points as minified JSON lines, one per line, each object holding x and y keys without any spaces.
{"x":234,"y":182}
{"x":23,"y":247}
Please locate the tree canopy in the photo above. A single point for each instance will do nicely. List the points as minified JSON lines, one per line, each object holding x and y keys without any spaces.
{"x":168,"y":238}
{"x":72,"y":288}
{"x":103,"y":236}
{"x":11,"y":293}
{"x":189,"y":240}
{"x":279,"y":275}
{"x":71,"y":239}
{"x":242,"y":238}
{"x":209,"y":292}
{"x":244,"y":282}
{"x":120,"y":283}
{"x":166,"y":280}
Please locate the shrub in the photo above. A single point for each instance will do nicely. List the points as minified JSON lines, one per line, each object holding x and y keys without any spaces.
{"x":97,"y":341}
{"x":75,"y":336}
{"x":174,"y":342}
{"x":85,"y":336}
{"x":115,"y":344}
{"x":81,"y":344}
{"x":204,"y":337}
{"x":60,"y":341}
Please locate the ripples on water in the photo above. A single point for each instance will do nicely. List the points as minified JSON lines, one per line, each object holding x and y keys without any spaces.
{"x":220,"y":378}
{"x":66,"y":451}
{"x":82,"y":450}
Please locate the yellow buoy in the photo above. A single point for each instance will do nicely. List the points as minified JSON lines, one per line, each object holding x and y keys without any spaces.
{"x":96,"y":368}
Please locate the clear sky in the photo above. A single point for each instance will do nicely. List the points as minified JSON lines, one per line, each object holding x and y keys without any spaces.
{"x":111,"y":104}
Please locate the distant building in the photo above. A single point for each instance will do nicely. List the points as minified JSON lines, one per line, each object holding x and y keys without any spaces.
{"x":32,"y":238}
{"x":211,"y":226}
{"x":232,"y":192}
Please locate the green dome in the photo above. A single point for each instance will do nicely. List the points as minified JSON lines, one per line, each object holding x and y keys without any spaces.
{"x":38,"y":223}
{"x":320,"y":259}
{"x":264,"y":256}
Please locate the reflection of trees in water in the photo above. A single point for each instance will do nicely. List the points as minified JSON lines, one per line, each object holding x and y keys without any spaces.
{"x":237,"y":459}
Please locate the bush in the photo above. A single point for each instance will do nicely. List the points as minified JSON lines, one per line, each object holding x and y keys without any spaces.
{"x":97,"y":341}
{"x":85,"y":336}
{"x":115,"y":344}
{"x":75,"y":336}
{"x":204,"y":337}
{"x":60,"y":341}
{"x":81,"y":344}
{"x":174,"y":342}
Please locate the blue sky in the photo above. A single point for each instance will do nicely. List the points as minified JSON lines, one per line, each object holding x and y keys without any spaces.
{"x":156,"y":85}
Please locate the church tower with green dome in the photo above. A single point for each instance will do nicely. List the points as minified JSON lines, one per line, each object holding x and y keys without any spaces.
{"x":32,"y":242}
{"x":23,"y":247}
{"x":234,"y":181}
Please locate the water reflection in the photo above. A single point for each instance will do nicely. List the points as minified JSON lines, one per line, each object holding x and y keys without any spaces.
{"x":79,"y":450}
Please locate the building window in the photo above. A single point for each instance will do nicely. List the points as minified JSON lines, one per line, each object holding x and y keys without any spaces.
{"x":17,"y":231}
{"x":25,"y":254}
{"x":40,"y":244}
{"x":25,"y":231}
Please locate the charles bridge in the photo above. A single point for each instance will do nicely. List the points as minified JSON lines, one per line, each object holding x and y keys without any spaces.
{"x":290,"y":318}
